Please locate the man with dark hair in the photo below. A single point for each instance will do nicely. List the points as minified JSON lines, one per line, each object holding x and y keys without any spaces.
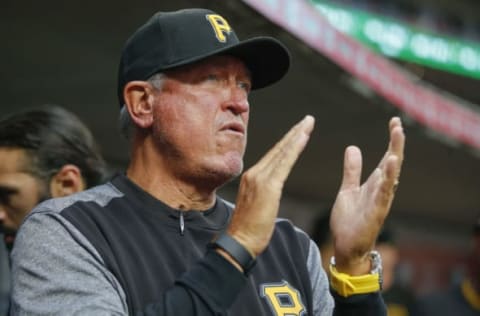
{"x":398,"y":297}
{"x":45,"y":152}
{"x":459,"y":299}
{"x":159,"y":241}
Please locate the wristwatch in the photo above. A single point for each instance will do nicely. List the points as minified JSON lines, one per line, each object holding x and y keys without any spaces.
{"x":241,"y":255}
{"x":377,"y":267}
{"x":376,"y":261}
{"x":347,"y":285}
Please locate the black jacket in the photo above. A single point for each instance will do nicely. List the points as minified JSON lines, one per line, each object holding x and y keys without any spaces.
{"x":158,"y":263}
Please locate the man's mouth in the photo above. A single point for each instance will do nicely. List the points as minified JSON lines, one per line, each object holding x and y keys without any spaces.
{"x":234,"y":127}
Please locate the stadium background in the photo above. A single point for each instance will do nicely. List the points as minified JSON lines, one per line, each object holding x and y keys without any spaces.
{"x":66,"y":53}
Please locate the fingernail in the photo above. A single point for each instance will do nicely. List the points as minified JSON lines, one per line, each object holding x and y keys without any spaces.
{"x":309,"y":118}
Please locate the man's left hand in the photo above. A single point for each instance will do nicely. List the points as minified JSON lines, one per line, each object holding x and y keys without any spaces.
{"x":360,"y":209}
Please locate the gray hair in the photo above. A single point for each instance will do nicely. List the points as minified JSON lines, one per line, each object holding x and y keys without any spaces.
{"x":125,"y":122}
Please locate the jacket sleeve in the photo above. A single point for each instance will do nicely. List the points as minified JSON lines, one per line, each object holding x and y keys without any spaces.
{"x":361,"y":304}
{"x":364,"y":304}
{"x":56,"y":271}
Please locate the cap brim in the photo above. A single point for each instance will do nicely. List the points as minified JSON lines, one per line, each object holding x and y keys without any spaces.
{"x":266,"y":58}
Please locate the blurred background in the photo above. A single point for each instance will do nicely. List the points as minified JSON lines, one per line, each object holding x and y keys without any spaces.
{"x":355,"y":64}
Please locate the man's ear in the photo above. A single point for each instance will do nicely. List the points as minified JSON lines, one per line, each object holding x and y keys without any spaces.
{"x":66,"y":181}
{"x":138,"y":96}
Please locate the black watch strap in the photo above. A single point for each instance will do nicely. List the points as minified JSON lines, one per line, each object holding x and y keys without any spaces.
{"x":235,"y":250}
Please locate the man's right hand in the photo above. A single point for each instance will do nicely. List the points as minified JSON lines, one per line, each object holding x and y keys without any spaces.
{"x":261,"y":188}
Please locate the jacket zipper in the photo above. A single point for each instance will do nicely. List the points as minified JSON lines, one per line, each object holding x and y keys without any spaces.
{"x":182,"y":223}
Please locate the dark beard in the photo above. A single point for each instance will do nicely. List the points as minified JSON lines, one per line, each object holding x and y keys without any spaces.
{"x":9,"y":234}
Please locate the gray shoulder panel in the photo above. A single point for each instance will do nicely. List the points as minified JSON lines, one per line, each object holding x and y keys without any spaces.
{"x":100,"y":195}
{"x":323,"y":302}
{"x":56,"y":267}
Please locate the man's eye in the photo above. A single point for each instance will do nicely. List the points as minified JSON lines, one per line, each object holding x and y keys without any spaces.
{"x":6,"y":194}
{"x":212,"y":77}
{"x":245,"y":85}
{"x":4,"y":199}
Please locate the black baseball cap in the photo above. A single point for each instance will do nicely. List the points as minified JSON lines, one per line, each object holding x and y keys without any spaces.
{"x":172,"y":39}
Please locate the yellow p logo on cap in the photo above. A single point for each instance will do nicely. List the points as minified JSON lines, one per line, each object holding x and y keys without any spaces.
{"x":220,"y":26}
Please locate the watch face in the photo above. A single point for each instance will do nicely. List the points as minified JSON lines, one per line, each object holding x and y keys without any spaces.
{"x":376,"y":261}
{"x":377,"y":266}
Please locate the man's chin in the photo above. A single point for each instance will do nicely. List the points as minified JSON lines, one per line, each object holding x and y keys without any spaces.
{"x":234,"y":168}
{"x":219,"y":176}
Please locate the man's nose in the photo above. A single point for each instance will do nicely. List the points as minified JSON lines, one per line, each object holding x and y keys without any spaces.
{"x":237,"y":100}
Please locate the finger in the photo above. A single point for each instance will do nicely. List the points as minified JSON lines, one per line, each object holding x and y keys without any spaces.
{"x":284,"y":146}
{"x":352,"y":168}
{"x":288,"y":152}
{"x":396,"y":143}
{"x":397,"y":137}
{"x":388,"y":185}
{"x":374,"y":183}
{"x":301,"y":131}
{"x":259,"y":179}
{"x":392,"y":124}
